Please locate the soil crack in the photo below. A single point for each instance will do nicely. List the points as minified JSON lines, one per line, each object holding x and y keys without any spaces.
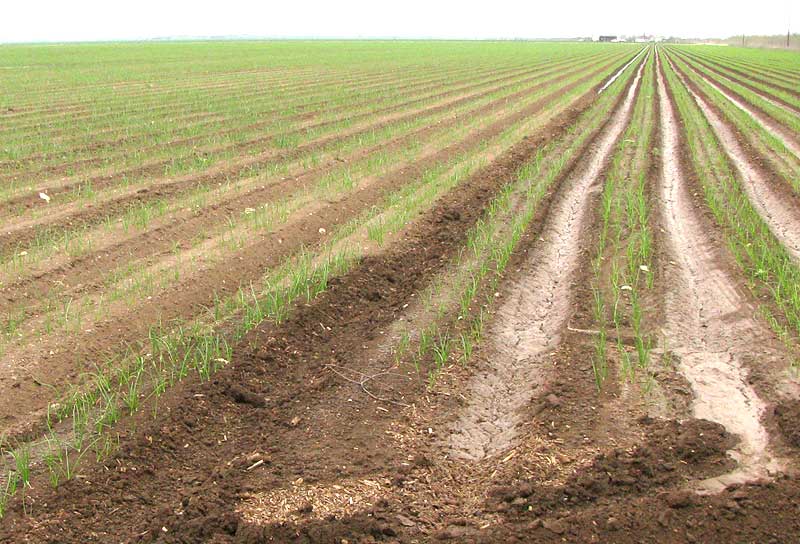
{"x":529,"y":324}
{"x":699,"y":310}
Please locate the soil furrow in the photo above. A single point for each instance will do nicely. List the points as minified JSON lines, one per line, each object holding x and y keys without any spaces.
{"x":193,"y":294}
{"x":22,"y":233}
{"x":180,"y":229}
{"x":141,"y":89}
{"x":746,"y":75}
{"x":528,"y":325}
{"x":619,"y":72}
{"x":775,"y":100}
{"x":709,"y":320}
{"x":289,"y":363}
{"x":788,"y":137}
{"x":155,"y":168}
{"x":308,"y":111}
{"x":52,"y":124}
{"x":102,"y":179}
{"x":157,"y":99}
{"x":208,"y":119}
{"x":781,"y":214}
{"x":84,"y":272}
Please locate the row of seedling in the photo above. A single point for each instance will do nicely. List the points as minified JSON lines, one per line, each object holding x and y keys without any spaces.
{"x":134,"y":283}
{"x":174,"y":352}
{"x":240,"y":117}
{"x":49,"y":240}
{"x":767,"y":265}
{"x":622,"y":265}
{"x":781,"y":160}
{"x":454,"y":297}
{"x":289,"y":135}
{"x":177,"y":350}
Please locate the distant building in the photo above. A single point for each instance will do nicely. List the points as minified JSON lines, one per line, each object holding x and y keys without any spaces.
{"x":607,"y":38}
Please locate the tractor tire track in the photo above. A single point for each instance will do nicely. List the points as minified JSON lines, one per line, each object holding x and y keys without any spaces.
{"x":709,"y":320}
{"x":530,"y":323}
{"x":781,"y":215}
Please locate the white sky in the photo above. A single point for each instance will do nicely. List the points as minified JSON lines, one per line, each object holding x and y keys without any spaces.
{"x":78,"y":20}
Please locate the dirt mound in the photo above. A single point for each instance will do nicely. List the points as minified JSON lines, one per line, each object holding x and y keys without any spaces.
{"x":673,"y":452}
{"x":787,"y":416}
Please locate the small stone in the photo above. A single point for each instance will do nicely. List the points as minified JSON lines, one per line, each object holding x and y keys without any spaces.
{"x":733,"y":506}
{"x":404,"y":521}
{"x":553,"y":400}
{"x":556,"y":526}
{"x":739,"y":495}
{"x":679,"y":499}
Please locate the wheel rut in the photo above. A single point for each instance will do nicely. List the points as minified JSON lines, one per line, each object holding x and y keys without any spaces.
{"x":781,"y":215}
{"x":709,"y":322}
{"x":787,"y":137}
{"x":529,"y":324}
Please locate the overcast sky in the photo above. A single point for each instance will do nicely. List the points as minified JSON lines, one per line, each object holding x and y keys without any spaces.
{"x":79,"y":20}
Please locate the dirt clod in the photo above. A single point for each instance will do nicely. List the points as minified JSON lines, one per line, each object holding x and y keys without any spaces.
{"x":787,"y":416}
{"x":242,"y":395}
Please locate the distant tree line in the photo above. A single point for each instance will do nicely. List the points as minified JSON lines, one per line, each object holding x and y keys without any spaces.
{"x":765,"y":41}
{"x":774,"y":42}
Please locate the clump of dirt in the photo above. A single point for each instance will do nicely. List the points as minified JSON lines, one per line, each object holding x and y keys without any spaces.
{"x":243,"y":395}
{"x":787,"y":416}
{"x":360,"y":528}
{"x":674,"y":452}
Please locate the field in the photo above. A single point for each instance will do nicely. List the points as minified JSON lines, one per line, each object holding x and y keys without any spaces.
{"x":399,"y":292}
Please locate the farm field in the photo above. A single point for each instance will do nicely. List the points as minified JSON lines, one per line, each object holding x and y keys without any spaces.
{"x":368,"y":291}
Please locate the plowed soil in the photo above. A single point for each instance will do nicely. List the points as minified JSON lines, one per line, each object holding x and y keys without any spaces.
{"x":315,"y":433}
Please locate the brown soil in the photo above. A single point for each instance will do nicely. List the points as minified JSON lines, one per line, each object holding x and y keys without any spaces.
{"x":88,"y":215}
{"x":68,"y":358}
{"x":786,"y":76}
{"x":84,"y":272}
{"x":778,"y":129}
{"x":138,"y":89}
{"x":111,"y":147}
{"x":307,"y":112}
{"x":294,"y":378}
{"x":156,"y":168}
{"x":528,"y":325}
{"x":774,"y":199}
{"x":233,"y":89}
{"x":281,"y":447}
{"x":787,"y":417}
